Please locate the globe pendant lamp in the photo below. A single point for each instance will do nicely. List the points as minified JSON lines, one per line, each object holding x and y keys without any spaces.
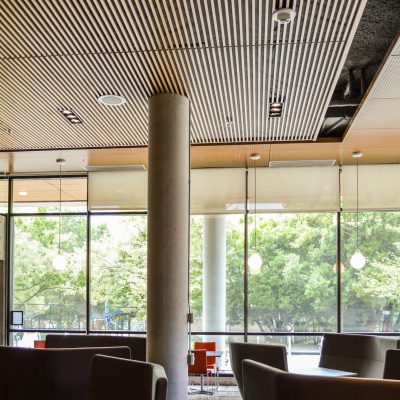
{"x":255,"y":261}
{"x":357,"y":261}
{"x":59,"y":261}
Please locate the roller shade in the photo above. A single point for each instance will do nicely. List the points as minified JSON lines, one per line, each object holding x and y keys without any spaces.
{"x":295,"y":189}
{"x":378,"y":187}
{"x":222,"y":190}
{"x":218,"y":191}
{"x":117,"y":191}
{"x":213,"y":191}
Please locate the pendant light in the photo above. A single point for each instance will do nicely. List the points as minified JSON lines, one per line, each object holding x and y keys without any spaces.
{"x":255,"y":260}
{"x":357,"y":261}
{"x":59,"y":261}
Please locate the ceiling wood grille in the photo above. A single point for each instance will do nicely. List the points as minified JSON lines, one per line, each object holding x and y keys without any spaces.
{"x":228,"y":57}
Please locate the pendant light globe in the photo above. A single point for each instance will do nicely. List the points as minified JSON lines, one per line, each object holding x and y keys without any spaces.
{"x":59,"y":262}
{"x":255,"y":263}
{"x":357,"y":261}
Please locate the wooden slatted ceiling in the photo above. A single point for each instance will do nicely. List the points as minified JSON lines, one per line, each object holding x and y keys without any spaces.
{"x":228,"y":57}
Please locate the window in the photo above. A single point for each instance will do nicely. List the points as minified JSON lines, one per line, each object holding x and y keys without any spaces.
{"x":118,"y":272}
{"x":50,"y":298}
{"x":370,"y":296}
{"x":295,"y":290}
{"x":222,"y":290}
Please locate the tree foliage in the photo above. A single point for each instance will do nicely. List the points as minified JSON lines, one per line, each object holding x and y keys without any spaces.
{"x":296,"y":289}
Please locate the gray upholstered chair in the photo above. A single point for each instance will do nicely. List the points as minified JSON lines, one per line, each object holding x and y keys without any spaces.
{"x":262,"y":382}
{"x":49,"y":374}
{"x":137,"y":344}
{"x":118,"y":379}
{"x":392,"y":365}
{"x":362,"y":354}
{"x":273,"y":355}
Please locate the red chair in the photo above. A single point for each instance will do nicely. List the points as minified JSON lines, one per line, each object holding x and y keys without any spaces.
{"x":211,"y":361}
{"x":39,"y":344}
{"x":209,"y":346}
{"x":199,"y":368}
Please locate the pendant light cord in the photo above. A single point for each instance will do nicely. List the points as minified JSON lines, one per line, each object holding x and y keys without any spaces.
{"x":255,"y":207}
{"x":59,"y":219}
{"x":357,"y":204}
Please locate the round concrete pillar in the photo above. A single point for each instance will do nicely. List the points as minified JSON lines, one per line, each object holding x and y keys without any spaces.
{"x":214,"y":278}
{"x":168,"y":237}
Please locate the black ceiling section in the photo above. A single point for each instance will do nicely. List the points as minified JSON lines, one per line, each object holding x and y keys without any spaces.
{"x":378,"y":28}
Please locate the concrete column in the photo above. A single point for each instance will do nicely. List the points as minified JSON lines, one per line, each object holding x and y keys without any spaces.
{"x":168,"y":237}
{"x":214,"y":278}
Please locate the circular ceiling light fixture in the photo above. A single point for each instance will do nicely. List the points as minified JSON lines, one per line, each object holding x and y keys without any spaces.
{"x":112,"y":100}
{"x":283,"y":15}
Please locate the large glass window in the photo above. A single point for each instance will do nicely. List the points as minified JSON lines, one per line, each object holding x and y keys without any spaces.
{"x":224,"y":246}
{"x":302,"y":351}
{"x":370,"y":296}
{"x":295,"y":291}
{"x":51,"y":298}
{"x":118,"y":272}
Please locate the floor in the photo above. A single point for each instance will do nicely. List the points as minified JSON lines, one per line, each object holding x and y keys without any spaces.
{"x":225,"y":393}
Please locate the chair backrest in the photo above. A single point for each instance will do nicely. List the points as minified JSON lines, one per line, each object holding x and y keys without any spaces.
{"x":264,"y":382}
{"x":39,"y":344}
{"x":137,"y":344}
{"x":209,"y":346}
{"x":392,"y":365}
{"x":118,"y":379}
{"x":68,"y":370}
{"x":22,"y":374}
{"x":363,"y":354}
{"x":273,"y":355}
{"x":200,"y":362}
{"x":48,"y":374}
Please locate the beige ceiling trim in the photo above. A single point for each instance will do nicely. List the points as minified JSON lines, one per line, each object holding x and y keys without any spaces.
{"x":380,"y":147}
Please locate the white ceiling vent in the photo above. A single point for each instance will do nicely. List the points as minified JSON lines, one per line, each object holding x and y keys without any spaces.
{"x":102,"y":168}
{"x":302,"y":163}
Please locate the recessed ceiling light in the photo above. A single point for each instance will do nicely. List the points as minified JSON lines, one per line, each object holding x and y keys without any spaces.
{"x":275,"y":109}
{"x":71,"y":116}
{"x":357,"y":154}
{"x":255,"y":156}
{"x":228,"y":121}
{"x":111,"y":100}
{"x":60,"y":161}
{"x":283,"y":15}
{"x":23,"y":193}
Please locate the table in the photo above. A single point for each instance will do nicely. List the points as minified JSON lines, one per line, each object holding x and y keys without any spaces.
{"x":320,"y":371}
{"x":214,"y":353}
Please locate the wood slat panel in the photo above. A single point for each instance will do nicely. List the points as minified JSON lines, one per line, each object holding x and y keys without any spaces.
{"x":228,"y":57}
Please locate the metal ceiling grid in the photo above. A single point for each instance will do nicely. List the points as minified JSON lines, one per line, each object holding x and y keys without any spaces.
{"x":228,"y":57}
